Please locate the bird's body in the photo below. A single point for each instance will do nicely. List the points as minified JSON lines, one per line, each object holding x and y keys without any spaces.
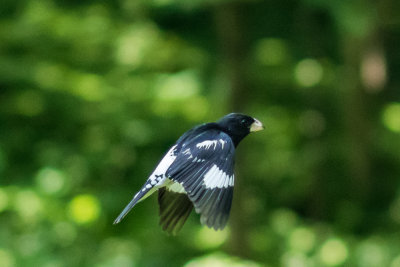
{"x":197,"y":171}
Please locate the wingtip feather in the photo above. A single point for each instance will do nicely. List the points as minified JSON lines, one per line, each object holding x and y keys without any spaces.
{"x":126,"y":210}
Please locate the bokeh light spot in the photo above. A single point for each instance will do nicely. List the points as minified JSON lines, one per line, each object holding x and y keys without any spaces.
{"x":207,"y":238}
{"x":133,"y":45}
{"x":391,"y":117}
{"x":88,"y":86}
{"x":395,"y":262}
{"x":308,"y":72}
{"x":333,"y":252}
{"x":4,"y":201}
{"x":118,"y":252}
{"x":372,"y":253}
{"x":373,"y":70}
{"x":294,"y":260}
{"x":6,"y":258}
{"x":28,"y":204}
{"x":178,"y":86}
{"x":50,"y":180}
{"x":302,"y":239}
{"x":283,"y":221}
{"x":120,"y":260}
{"x":84,"y":209}
{"x":220,"y":260}
{"x":29,"y":244}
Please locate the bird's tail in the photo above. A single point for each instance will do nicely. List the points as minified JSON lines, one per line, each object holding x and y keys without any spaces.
{"x":142,"y":194}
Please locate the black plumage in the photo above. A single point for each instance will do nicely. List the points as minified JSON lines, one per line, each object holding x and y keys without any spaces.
{"x":174,"y":210}
{"x":198,"y":171}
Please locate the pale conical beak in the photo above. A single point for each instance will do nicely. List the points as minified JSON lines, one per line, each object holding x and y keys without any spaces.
{"x":256,"y":126}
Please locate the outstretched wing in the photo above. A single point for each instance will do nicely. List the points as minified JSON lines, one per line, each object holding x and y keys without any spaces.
{"x":174,"y":210}
{"x":204,"y":167}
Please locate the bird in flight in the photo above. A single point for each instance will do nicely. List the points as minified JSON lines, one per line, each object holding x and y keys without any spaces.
{"x":197,"y":171}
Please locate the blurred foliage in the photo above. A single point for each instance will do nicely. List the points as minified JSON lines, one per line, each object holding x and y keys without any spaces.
{"x":92,"y":93}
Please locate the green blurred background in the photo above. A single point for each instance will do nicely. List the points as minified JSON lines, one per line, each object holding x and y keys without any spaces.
{"x":92,"y":93}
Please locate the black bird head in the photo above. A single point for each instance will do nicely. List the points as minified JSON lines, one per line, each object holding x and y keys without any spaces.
{"x":238,"y":126}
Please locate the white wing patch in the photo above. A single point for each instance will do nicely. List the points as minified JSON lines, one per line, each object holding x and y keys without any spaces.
{"x":158,"y":175}
{"x":211,"y":143}
{"x":222,"y":142}
{"x":216,"y":178}
{"x":198,"y":160}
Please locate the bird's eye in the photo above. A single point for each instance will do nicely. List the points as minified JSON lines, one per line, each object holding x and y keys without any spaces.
{"x":243,"y":121}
